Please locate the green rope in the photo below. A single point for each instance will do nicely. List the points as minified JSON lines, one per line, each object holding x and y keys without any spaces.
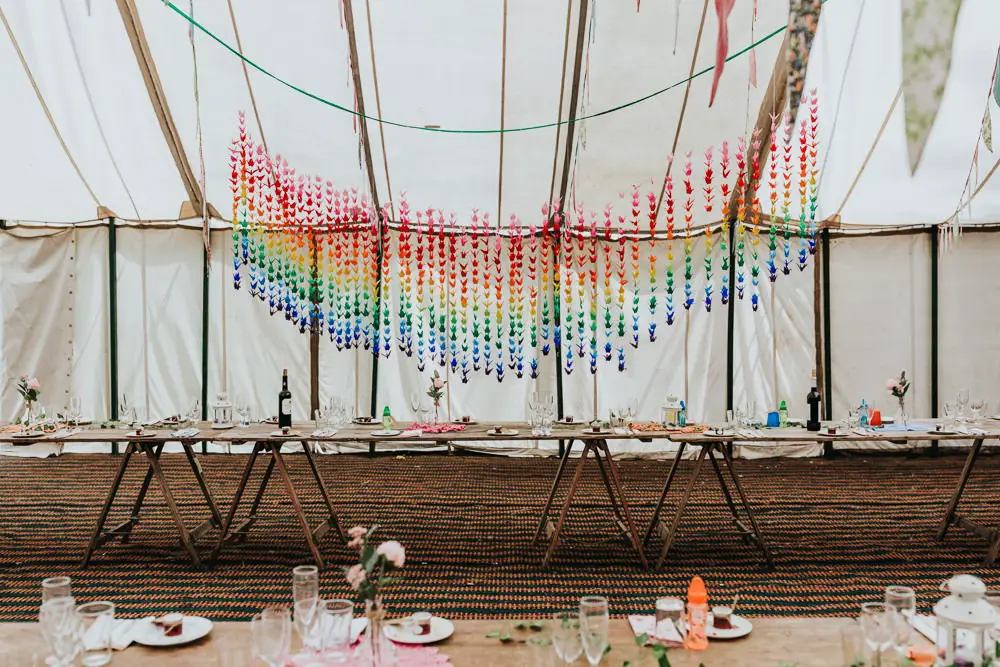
{"x":526,"y":128}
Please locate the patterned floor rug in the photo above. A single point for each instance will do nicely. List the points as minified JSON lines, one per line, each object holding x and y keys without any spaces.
{"x":841,"y":530}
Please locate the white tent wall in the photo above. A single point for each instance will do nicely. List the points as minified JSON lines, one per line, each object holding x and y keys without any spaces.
{"x":880,"y":315}
{"x":969,"y":317}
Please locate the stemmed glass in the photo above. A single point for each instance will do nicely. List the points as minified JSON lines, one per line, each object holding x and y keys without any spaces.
{"x":977,"y":408}
{"x":594,"y":627}
{"x":194,"y":412}
{"x":749,"y":411}
{"x":305,"y":594}
{"x":631,"y":410}
{"x":242,"y":408}
{"x":534,"y":413}
{"x":950,"y":413}
{"x":123,"y":409}
{"x":272,"y":635}
{"x":59,"y":623}
{"x":877,"y":628}
{"x":963,"y":401}
{"x":566,"y":636}
{"x":901,"y":602}
{"x":75,"y":410}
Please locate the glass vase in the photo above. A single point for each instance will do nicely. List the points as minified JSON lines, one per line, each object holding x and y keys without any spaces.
{"x":28,"y":417}
{"x":902,"y":417}
{"x":376,"y":650}
{"x":437,"y":412}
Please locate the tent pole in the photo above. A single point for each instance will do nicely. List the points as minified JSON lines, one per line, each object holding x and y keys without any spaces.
{"x":935,"y":396}
{"x":827,"y":365}
{"x":314,"y":327}
{"x":204,"y":338}
{"x":731,"y":323}
{"x":113,"y":322}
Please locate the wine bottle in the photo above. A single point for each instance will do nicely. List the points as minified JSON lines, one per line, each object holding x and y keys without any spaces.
{"x":284,"y":402}
{"x":813,"y":399}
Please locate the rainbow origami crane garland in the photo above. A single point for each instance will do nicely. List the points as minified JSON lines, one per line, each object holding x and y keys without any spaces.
{"x":480,"y":297}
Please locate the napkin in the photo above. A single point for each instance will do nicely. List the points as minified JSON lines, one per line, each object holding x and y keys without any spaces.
{"x":123,"y":632}
{"x":664,"y":633}
{"x":410,"y":433}
{"x":185,"y":433}
{"x":324,"y":433}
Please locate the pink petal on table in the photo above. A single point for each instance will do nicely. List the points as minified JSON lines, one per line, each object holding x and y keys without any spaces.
{"x":722,"y":9}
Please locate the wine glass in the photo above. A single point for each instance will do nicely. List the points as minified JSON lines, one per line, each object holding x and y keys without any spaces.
{"x":876,"y":626}
{"x":950,"y":413}
{"x":977,"y":408}
{"x":594,"y":627}
{"x":272,"y":635}
{"x":194,"y":412}
{"x":566,"y":636}
{"x":75,"y":409}
{"x":749,"y":411}
{"x":632,"y":409}
{"x":416,"y":401}
{"x":901,"y":601}
{"x":123,"y":409}
{"x":963,"y":401}
{"x":309,"y":614}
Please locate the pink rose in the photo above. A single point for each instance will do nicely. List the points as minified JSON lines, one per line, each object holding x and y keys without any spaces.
{"x":34,"y":384}
{"x":890,"y":384}
{"x":355,"y":543}
{"x":393,"y":552}
{"x":438,"y":383}
{"x":356,"y":576}
{"x":25,"y":376}
{"x":357,"y":531}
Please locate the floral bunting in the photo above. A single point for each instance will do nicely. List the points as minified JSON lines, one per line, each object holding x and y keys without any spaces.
{"x":803,"y":21}
{"x":472,"y":296}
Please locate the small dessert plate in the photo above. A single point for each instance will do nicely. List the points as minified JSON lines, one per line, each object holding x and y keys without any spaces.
{"x":364,"y":421}
{"x":282,"y":434}
{"x":194,"y":628}
{"x":506,"y":432}
{"x":459,"y":420}
{"x":136,"y":434}
{"x":405,"y":632}
{"x":568,"y":422}
{"x":382,"y":433}
{"x":741,"y":628}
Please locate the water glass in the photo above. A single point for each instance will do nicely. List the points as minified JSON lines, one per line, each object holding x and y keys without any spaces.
{"x":272,"y":635}
{"x":337,"y":616}
{"x":123,"y":409}
{"x":950,"y":410}
{"x":305,"y":597}
{"x":977,"y":408}
{"x":877,"y":629}
{"x":540,"y":651}
{"x":194,"y":412}
{"x":309,"y":624}
{"x":902,"y":602}
{"x":566,"y":636}
{"x":669,"y":610}
{"x":75,"y":409}
{"x":231,"y":652}
{"x":60,"y":626}
{"x":56,"y":587}
{"x":963,"y":401}
{"x":97,"y":620}
{"x":594,"y":627}
{"x":853,"y":644}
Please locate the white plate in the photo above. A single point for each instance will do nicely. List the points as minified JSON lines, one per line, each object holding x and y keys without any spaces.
{"x":144,"y":434}
{"x":280,"y":434}
{"x":505,"y":432}
{"x":195,"y":627}
{"x":741,"y":628}
{"x":464,"y":423}
{"x":363,"y":422}
{"x":382,"y":433}
{"x":221,"y":427}
{"x":401,"y":633}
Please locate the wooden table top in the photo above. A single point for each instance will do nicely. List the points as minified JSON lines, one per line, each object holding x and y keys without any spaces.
{"x":513,"y":431}
{"x":805,"y":642}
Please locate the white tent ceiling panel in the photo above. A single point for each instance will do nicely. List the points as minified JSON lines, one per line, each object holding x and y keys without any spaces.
{"x":59,"y":46}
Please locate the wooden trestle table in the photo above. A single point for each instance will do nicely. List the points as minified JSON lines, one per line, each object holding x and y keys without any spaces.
{"x":716,"y":448}
{"x":805,"y":642}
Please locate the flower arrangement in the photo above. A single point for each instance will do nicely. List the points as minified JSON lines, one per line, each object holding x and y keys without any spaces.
{"x":436,"y":389}
{"x":29,"y":388}
{"x":898,"y":386}
{"x":369,"y":575}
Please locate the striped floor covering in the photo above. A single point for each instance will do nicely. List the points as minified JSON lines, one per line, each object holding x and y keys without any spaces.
{"x":841,"y":531}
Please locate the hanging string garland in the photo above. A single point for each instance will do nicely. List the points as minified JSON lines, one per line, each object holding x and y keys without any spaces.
{"x":479,"y":297}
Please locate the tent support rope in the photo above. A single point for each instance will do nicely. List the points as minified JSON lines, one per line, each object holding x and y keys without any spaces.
{"x":378,"y":109}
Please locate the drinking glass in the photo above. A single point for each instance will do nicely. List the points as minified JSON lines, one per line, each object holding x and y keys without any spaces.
{"x":231,"y":652}
{"x":977,"y":408}
{"x":632,"y":409}
{"x":594,"y":627}
{"x":853,"y":645}
{"x":749,"y":411}
{"x":669,"y":610}
{"x":123,"y":409}
{"x":97,"y":620}
{"x":59,"y":624}
{"x":876,"y":626}
{"x":540,"y":651}
{"x":730,"y":418}
{"x":901,"y":601}
{"x":56,"y":587}
{"x":75,"y":409}
{"x":534,"y":413}
{"x":309,"y":626}
{"x":950,"y":413}
{"x":336,"y":628}
{"x":566,"y":636}
{"x":138,"y":415}
{"x":272,"y":635}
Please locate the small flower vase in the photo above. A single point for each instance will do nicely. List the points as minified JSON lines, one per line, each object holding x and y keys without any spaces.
{"x":28,"y":418}
{"x":437,"y":412}
{"x":902,"y":417}
{"x":376,"y":650}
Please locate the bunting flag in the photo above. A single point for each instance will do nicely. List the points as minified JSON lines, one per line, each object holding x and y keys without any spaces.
{"x":803,"y":21}
{"x":987,"y":129}
{"x":473,"y":296}
{"x":928,"y":31}
{"x":996,"y":80}
{"x":723,"y":8}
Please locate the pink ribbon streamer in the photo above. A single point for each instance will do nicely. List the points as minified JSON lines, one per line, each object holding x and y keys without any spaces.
{"x":723,"y":8}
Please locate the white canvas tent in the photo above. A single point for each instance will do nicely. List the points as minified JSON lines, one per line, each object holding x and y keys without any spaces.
{"x":83,"y":138}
